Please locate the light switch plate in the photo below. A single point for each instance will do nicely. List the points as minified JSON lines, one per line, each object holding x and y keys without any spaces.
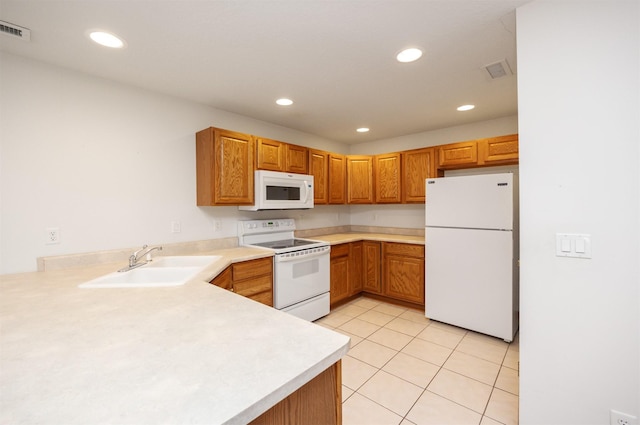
{"x":573,"y":245}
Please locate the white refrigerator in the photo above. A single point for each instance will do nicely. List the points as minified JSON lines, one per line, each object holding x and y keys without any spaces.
{"x":471,"y":262}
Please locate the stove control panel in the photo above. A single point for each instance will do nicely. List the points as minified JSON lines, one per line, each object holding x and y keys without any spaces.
{"x":266,"y":226}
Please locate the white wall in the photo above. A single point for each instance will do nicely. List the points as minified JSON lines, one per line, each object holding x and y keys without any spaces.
{"x":110,"y":165}
{"x":578,"y":90}
{"x":476,"y":130}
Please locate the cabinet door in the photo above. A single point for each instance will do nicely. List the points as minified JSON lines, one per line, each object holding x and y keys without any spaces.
{"x":371,"y":267}
{"x":271,"y":155}
{"x":404,"y":278}
{"x":403,"y":272}
{"x":339,"y":272}
{"x":463,"y":154}
{"x":254,"y":279}
{"x":224,"y":167}
{"x":417,"y":166}
{"x":337,"y":178}
{"x":359,"y":179}
{"x":296,"y":159}
{"x":319,"y":169}
{"x":387,"y":178}
{"x":499,"y":150}
{"x":356,"y":275}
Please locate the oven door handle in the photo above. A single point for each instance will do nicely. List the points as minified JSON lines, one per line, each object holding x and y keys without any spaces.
{"x":283,"y":258}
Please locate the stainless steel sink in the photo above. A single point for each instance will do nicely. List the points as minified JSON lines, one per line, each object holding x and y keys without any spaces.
{"x":163,"y":271}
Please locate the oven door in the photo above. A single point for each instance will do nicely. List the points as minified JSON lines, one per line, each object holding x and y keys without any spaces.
{"x":299,"y":278}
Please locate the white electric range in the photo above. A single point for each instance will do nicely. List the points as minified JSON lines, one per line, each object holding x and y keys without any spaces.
{"x":300,"y":266}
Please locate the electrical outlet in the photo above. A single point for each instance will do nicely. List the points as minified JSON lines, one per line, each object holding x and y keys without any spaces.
{"x":619,"y":418}
{"x":52,"y":236}
{"x":217,"y":225}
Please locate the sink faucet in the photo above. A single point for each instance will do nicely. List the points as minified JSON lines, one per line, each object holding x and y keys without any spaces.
{"x":134,"y":259}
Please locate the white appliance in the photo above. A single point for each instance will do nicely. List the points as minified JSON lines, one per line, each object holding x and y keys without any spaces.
{"x":300,"y":266}
{"x":471,"y":263}
{"x":275,"y":190}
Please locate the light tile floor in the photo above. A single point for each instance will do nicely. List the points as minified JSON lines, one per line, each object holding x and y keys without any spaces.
{"x":404,"y":369}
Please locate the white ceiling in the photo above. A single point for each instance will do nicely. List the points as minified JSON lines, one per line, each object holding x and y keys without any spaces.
{"x":334,"y":58}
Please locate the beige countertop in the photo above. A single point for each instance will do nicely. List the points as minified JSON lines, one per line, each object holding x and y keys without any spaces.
{"x":337,"y":238}
{"x":188,"y":354}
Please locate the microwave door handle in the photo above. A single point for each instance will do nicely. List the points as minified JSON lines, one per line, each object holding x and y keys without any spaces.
{"x":307,"y":192}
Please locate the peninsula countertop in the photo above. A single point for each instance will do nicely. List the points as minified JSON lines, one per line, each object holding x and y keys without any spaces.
{"x":188,"y":354}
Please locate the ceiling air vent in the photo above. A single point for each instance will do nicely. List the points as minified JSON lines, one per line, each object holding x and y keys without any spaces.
{"x":498,"y":69}
{"x":12,"y":30}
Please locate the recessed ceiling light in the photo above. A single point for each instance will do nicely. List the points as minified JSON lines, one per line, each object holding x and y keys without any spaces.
{"x":107,"y":39}
{"x":466,"y":107}
{"x":409,"y":55}
{"x":284,"y":102}
{"x":362,"y":130}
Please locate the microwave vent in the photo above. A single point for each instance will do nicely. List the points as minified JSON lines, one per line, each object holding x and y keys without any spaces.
{"x":13,"y":30}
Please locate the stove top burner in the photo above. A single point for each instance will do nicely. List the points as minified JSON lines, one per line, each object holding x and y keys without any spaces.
{"x":287,"y":243}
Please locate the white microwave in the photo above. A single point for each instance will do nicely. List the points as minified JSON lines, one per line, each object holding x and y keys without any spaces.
{"x":275,"y":190}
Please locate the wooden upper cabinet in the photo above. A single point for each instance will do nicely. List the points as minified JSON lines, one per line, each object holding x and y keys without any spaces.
{"x":360,"y":179}
{"x":319,"y":169}
{"x":458,"y":155}
{"x":224,"y":167}
{"x":271,"y":155}
{"x":278,"y":156}
{"x":498,"y":150}
{"x":296,"y":159}
{"x":417,"y":166}
{"x":387,"y":178}
{"x":337,"y":179}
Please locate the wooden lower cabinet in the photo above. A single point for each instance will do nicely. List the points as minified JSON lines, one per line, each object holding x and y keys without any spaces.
{"x":371,"y":267}
{"x":339,"y":273}
{"x":403,"y":272}
{"x":319,"y":401}
{"x":356,"y":277}
{"x":386,"y":270}
{"x":252,"y":279}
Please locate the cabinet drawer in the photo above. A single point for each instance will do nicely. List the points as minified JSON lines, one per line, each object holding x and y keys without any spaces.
{"x":252,"y":268}
{"x":339,"y":250}
{"x":251,"y":287}
{"x":409,"y":250}
{"x":264,"y":298}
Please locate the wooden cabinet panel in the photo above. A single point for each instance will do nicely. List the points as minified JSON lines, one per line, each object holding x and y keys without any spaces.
{"x":403,"y":272}
{"x":371,"y":267}
{"x":224,"y":167}
{"x":387,"y":178}
{"x":337,"y":179}
{"x":252,"y":268}
{"x":253,"y":286}
{"x":360,"y":179}
{"x":462,"y":154}
{"x":404,"y":278}
{"x":271,"y":155}
{"x":224,"y":279}
{"x":499,"y":150}
{"x":404,"y":249}
{"x":317,"y":402}
{"x":319,"y":169}
{"x":417,"y":166}
{"x":252,"y":279}
{"x":356,"y":276}
{"x":296,"y":159}
{"x":339,"y":279}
